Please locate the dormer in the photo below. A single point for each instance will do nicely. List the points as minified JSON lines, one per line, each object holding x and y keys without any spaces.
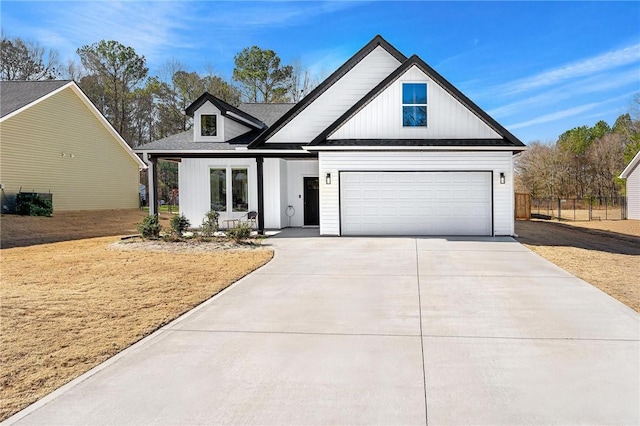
{"x":214,"y":120}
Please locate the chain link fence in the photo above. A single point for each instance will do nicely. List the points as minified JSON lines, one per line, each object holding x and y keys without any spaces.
{"x":579,"y":209}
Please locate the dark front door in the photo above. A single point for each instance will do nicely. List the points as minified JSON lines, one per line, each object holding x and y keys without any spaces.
{"x":311,"y":201}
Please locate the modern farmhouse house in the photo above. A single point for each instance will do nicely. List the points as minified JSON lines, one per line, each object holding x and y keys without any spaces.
{"x":55,"y":140}
{"x":384,"y":146}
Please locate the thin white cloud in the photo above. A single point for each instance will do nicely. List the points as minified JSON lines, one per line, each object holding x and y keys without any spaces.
{"x":554,"y":116}
{"x":592,"y":84}
{"x":569,"y":112}
{"x":585,"y":67}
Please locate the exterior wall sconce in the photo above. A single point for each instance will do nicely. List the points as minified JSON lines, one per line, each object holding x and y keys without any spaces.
{"x":502,"y":179}
{"x":328,"y":179}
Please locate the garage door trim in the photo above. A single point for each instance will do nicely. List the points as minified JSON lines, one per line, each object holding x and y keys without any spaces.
{"x":491,"y":201}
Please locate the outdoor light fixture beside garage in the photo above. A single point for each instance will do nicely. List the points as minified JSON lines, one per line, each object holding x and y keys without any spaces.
{"x":502,"y":179}
{"x":328,"y":179}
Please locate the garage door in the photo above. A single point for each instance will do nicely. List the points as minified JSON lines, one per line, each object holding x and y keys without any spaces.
{"x":415,"y":203}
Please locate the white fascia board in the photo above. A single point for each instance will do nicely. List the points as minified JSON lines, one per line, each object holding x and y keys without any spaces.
{"x":632,"y":165}
{"x":416,"y":148}
{"x":37,"y":101}
{"x":107,"y":125}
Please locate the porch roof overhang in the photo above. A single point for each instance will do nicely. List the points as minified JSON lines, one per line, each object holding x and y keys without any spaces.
{"x":240,"y":153}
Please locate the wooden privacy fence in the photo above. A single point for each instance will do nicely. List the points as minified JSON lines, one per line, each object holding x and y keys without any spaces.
{"x":523,"y":206}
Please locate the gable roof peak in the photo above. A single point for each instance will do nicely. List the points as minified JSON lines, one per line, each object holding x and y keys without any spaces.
{"x":226,"y":109}
{"x":415,"y":60}
{"x":376,"y":41}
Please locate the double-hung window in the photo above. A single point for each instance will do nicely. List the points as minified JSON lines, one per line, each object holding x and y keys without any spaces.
{"x":414,"y":104}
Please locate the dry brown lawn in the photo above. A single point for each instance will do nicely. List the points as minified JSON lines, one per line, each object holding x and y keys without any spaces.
{"x":68,"y":306}
{"x":21,"y":231}
{"x":605,"y":254}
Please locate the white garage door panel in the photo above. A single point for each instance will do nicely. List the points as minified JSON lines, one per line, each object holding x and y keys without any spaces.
{"x":415,"y":203}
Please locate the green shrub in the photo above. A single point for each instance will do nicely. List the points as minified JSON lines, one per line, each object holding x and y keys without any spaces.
{"x":32,"y":204}
{"x":210,"y":223}
{"x":240,"y":232}
{"x":179,"y":224}
{"x":150,"y":227}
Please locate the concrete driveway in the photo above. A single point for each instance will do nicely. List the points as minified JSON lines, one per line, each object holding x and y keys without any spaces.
{"x":377,"y":331}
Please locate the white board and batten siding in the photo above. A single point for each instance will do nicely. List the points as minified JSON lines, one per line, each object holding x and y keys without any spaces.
{"x":338,"y":98}
{"x":275,"y":188}
{"x":283,"y":186}
{"x":195,"y":191}
{"x":491,"y":163}
{"x":297,"y":170}
{"x":447,"y":118}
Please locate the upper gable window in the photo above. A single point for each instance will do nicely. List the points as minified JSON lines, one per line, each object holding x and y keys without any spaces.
{"x":414,"y":104}
{"x":208,"y":125}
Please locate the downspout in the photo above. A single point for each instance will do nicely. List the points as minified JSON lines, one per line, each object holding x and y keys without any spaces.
{"x":152,"y":176}
{"x":260,"y":167}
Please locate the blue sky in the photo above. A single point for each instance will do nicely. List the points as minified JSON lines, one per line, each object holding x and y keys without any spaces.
{"x":538,"y":68}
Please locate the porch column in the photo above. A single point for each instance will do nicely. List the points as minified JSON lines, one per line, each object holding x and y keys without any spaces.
{"x":260,"y":164}
{"x":152,"y":162}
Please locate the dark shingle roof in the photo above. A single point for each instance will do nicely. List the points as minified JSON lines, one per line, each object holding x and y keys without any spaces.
{"x":17,"y":94}
{"x":183,"y":141}
{"x":267,"y":113}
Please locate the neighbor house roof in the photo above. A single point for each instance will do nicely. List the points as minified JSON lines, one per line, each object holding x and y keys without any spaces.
{"x":327,"y":83}
{"x":509,"y":139}
{"x":635,"y":161}
{"x":17,"y":94}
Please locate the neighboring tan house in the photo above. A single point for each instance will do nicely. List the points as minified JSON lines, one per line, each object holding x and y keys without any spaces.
{"x":384,"y":146}
{"x":632,"y":174}
{"x":53,"y":139}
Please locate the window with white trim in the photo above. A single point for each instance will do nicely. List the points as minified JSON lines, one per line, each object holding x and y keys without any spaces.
{"x":208,"y":125}
{"x":414,"y":104}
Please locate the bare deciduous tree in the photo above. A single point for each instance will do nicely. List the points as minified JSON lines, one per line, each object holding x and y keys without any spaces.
{"x":27,"y":60}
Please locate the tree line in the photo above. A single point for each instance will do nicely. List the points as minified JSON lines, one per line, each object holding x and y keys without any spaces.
{"x":583,"y":162}
{"x":144,"y":107}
